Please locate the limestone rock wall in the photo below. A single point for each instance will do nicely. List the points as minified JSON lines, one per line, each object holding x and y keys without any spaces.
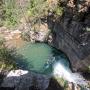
{"x":70,"y":33}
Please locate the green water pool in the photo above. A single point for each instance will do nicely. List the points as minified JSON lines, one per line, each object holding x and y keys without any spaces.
{"x":39,"y":57}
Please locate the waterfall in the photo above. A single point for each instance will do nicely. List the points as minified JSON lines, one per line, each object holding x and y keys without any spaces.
{"x":63,"y":72}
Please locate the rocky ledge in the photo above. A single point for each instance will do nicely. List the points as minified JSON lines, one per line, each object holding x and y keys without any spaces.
{"x":37,"y":33}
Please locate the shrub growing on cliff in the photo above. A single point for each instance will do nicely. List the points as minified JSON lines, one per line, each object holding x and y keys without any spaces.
{"x":58,"y":11}
{"x":38,"y":9}
{"x":6,"y":61}
{"x":10,"y":12}
{"x":33,"y":11}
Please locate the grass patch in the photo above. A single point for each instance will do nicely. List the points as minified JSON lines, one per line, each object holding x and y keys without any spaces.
{"x":38,"y":9}
{"x":6,"y":61}
{"x":10,"y":13}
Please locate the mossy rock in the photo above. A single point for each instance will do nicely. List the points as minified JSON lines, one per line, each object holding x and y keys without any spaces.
{"x":62,"y":82}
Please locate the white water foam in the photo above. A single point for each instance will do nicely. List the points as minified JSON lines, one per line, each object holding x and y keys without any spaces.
{"x":61,"y":71}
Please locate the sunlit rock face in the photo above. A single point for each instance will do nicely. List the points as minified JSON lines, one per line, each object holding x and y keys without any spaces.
{"x":70,"y":33}
{"x":38,"y":33}
{"x":23,"y":80}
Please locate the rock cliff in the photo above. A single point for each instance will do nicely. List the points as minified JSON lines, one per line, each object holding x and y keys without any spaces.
{"x":71,"y":32}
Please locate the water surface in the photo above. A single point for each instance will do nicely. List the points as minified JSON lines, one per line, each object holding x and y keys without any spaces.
{"x":40,"y":57}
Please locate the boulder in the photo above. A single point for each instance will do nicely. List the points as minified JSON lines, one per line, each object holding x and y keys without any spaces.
{"x":24,"y":80}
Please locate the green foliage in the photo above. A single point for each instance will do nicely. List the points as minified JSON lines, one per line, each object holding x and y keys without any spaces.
{"x":62,"y":82}
{"x":10,"y":13}
{"x":6,"y":61}
{"x":58,"y":11}
{"x":37,"y":8}
{"x":4,"y":52}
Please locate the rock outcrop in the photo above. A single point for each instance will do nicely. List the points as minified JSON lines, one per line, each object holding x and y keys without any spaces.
{"x":25,"y":80}
{"x":36,"y":33}
{"x":71,"y":32}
